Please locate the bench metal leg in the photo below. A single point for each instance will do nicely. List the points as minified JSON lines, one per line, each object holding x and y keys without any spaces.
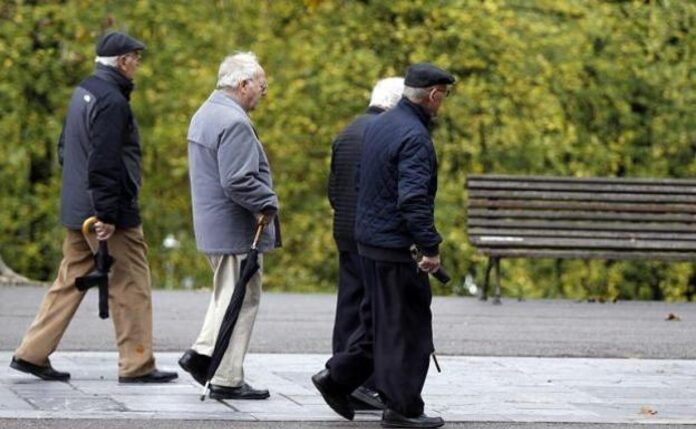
{"x":496,"y":299}
{"x":483,"y":294}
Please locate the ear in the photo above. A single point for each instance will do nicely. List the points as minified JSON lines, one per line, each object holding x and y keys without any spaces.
{"x":431,"y":94}
{"x":121,"y":62}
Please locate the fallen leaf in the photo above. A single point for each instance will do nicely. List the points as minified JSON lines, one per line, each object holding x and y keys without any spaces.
{"x":647,"y":411}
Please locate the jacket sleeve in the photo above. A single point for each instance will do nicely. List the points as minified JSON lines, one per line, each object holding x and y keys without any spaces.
{"x":108,"y":131}
{"x":416,"y":168}
{"x":238,"y":164}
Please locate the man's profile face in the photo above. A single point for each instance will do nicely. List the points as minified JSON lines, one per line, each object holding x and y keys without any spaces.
{"x":436,"y":96}
{"x":255,"y":89}
{"x":128,"y":64}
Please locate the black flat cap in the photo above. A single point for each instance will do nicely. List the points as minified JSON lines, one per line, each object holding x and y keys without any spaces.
{"x":424,"y":75}
{"x":117,"y":43}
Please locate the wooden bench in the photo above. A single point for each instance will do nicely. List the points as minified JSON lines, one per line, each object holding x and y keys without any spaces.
{"x":586,"y":218}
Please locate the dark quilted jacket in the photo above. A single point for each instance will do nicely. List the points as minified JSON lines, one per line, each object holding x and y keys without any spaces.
{"x":343,"y":196}
{"x":398,"y":182}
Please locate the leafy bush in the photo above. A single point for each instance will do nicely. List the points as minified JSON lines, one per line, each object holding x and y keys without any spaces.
{"x":578,"y":88}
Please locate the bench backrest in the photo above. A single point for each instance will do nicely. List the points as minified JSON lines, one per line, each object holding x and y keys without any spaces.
{"x":562,"y":217}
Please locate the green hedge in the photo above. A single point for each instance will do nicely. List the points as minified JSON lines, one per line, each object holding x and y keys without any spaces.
{"x":578,"y":88}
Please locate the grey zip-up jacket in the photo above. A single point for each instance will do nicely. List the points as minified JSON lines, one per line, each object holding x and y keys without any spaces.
{"x":230,"y":179}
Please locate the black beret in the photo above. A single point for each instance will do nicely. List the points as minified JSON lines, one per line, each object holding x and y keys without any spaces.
{"x":425,"y":74}
{"x":117,"y":43}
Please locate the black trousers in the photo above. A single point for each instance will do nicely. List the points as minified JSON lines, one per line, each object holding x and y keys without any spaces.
{"x":395,"y":337}
{"x":352,"y":305}
{"x":351,"y":291}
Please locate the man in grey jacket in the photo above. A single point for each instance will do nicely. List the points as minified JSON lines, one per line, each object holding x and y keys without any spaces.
{"x":232,"y":190}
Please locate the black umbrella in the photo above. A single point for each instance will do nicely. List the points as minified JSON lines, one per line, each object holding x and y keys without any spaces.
{"x":249,"y":267}
{"x":99,"y":276}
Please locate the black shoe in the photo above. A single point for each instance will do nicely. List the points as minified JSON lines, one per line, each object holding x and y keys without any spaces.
{"x":43,"y":372}
{"x":195,"y":364}
{"x":334,"y":396}
{"x":364,"y":398}
{"x":241,"y":392}
{"x":155,"y":376}
{"x":392,"y":419}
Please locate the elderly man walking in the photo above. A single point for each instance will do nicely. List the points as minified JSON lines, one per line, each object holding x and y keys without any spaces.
{"x":395,"y":211}
{"x":231,"y":190}
{"x":345,"y":158}
{"x":99,"y":150}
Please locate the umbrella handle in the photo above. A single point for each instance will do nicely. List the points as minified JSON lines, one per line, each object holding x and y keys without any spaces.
{"x":259,"y":229}
{"x":87,"y":225}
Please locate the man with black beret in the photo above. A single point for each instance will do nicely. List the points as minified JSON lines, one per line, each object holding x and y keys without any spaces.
{"x":395,"y":212}
{"x":99,"y":150}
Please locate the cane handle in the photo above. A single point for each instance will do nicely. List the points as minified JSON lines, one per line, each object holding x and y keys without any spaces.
{"x":257,"y":237}
{"x":87,"y":225}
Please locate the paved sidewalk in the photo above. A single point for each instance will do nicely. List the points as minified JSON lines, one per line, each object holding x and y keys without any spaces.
{"x":471,"y":389}
{"x":538,"y":364}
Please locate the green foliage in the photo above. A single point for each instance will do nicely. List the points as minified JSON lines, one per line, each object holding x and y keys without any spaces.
{"x":578,"y":87}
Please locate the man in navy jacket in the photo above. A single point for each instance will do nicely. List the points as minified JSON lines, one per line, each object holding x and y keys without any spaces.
{"x":99,"y":150}
{"x":395,"y":211}
{"x":345,"y":158}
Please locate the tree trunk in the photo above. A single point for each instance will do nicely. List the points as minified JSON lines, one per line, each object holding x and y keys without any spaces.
{"x":7,"y":276}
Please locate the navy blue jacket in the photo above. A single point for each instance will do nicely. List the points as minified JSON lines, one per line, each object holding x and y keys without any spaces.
{"x":343,"y":195}
{"x":398,"y":182}
{"x":99,"y":150}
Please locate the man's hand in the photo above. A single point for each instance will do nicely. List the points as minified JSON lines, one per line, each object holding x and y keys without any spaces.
{"x":429,"y":264}
{"x":104,"y":230}
{"x":265,"y":217}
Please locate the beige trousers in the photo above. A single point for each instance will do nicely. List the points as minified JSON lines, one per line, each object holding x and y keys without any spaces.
{"x":130,"y":303}
{"x":226,"y":270}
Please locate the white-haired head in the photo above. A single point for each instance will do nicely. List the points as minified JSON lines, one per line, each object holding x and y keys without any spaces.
{"x":237,"y":68}
{"x":387,"y":92}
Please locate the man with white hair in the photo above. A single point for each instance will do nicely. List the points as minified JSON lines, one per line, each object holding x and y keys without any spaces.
{"x":231,"y":190}
{"x":395,"y":213}
{"x":99,"y":150}
{"x":345,"y":157}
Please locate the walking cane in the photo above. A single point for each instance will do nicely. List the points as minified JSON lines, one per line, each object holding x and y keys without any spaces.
{"x":99,"y":276}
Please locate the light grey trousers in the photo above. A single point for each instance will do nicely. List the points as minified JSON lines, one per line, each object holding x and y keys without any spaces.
{"x":226,"y":270}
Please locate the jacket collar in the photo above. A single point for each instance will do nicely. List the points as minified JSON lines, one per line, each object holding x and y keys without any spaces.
{"x":374,"y":110}
{"x":221,"y":97}
{"x":112,"y":75}
{"x":417,"y":110}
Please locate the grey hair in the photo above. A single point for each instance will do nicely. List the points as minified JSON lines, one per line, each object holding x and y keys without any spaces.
{"x":237,"y":68}
{"x":107,"y":61}
{"x":387,"y":92}
{"x":416,"y":94}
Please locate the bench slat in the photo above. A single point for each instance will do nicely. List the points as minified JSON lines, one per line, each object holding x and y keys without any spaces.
{"x":581,"y":205}
{"x":624,"y":187}
{"x":580,"y":215}
{"x":621,"y":235}
{"x":590,"y":180}
{"x":579,"y":254}
{"x":583,"y":226}
{"x":520,"y":242}
{"x":583,"y":196}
